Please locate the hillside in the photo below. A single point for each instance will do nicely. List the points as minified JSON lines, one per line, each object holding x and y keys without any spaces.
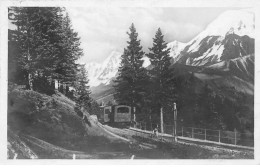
{"x":35,"y":120}
{"x":235,"y":73}
{"x":46,"y":127}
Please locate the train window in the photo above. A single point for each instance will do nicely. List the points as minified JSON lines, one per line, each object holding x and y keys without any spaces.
{"x":107,"y":111}
{"x":122,"y":110}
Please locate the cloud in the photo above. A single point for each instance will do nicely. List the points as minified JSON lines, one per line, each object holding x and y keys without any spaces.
{"x":104,"y":29}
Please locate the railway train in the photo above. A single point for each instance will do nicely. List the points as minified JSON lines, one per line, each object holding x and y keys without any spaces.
{"x":117,"y":115}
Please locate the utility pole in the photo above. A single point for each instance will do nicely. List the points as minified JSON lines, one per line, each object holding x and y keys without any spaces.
{"x":161,"y":120}
{"x":134,"y":117}
{"x":151,"y":125}
{"x":175,"y":122}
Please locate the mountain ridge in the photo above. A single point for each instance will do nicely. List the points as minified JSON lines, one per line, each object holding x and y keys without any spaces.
{"x":218,"y":43}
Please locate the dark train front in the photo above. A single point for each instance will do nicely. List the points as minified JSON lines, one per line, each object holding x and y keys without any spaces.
{"x":117,"y":115}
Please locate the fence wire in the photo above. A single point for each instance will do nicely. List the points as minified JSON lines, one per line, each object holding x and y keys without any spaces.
{"x":220,"y":136}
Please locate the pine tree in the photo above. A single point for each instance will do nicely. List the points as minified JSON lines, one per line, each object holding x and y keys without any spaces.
{"x":162,"y":87}
{"x":48,"y":46}
{"x":15,"y":71}
{"x":38,"y":36}
{"x":82,"y":89}
{"x":131,"y":81}
{"x":70,"y":51}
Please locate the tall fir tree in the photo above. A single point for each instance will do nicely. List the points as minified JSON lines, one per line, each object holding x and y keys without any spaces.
{"x":47,"y":46}
{"x":82,"y":89}
{"x":38,"y":35}
{"x":70,"y":51}
{"x":161,"y":86}
{"x":131,"y":81}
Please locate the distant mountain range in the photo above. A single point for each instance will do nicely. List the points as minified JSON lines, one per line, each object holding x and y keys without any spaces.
{"x":103,"y":73}
{"x":222,"y":55}
{"x":230,"y":36}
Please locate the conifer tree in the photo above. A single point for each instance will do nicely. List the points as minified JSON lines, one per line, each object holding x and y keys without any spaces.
{"x":38,"y":36}
{"x":15,"y":72}
{"x":48,"y":46}
{"x":70,"y":51}
{"x":162,"y":87}
{"x":132,"y":77}
{"x":82,"y":89}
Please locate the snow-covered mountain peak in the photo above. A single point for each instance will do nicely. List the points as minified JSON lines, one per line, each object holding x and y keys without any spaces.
{"x":233,"y":28}
{"x":103,"y":72}
{"x":113,"y":58}
{"x":175,"y":43}
{"x":175,"y":48}
{"x":241,"y":22}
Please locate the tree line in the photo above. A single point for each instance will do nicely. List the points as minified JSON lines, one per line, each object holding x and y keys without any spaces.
{"x":43,"y":50}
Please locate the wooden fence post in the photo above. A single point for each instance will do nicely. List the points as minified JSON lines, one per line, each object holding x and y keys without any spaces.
{"x":219,"y":136}
{"x":173,"y":133}
{"x":150,"y":117}
{"x":161,"y":112}
{"x":235,"y":136}
{"x":175,"y":121}
{"x":205,"y":134}
{"x":134,"y":117}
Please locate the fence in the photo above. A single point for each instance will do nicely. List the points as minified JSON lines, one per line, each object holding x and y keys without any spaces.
{"x":220,"y":136}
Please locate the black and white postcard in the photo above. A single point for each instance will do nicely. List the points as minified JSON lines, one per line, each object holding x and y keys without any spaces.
{"x":173,"y":81}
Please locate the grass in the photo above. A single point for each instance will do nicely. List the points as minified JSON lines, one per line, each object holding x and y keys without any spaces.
{"x":166,"y":149}
{"x":49,"y":127}
{"x":53,"y":120}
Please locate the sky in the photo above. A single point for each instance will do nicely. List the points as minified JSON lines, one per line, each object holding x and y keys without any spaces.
{"x":103,"y":30}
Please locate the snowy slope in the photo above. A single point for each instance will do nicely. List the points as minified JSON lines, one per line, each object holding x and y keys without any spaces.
{"x":94,"y":70}
{"x":240,"y":22}
{"x":242,"y":67}
{"x":175,"y":48}
{"x":102,"y":73}
{"x":230,"y":27}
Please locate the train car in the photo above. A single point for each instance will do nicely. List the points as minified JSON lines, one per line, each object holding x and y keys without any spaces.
{"x":117,"y":115}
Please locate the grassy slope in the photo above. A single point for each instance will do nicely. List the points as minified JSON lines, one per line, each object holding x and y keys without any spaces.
{"x":52,"y":119}
{"x":41,"y":126}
